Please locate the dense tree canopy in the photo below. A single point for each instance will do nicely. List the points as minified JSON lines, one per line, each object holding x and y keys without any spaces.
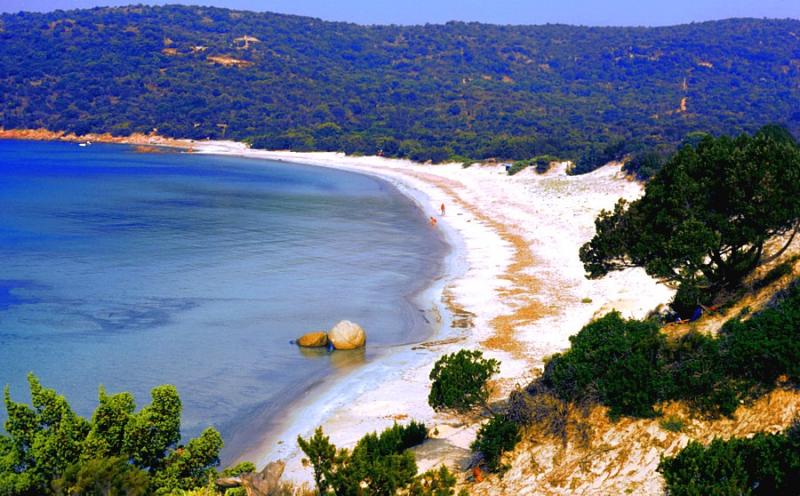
{"x":705,"y":217}
{"x":423,"y":92}
{"x":49,"y":449}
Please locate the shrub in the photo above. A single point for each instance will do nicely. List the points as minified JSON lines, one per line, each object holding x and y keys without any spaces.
{"x":766,"y":464}
{"x":434,"y":483}
{"x":494,"y":438}
{"x":617,"y":358}
{"x":645,"y":165}
{"x":630,"y":366}
{"x":541,"y":162}
{"x":698,"y":374}
{"x":672,"y":423}
{"x":459,"y":381}
{"x":520,"y":408}
{"x":105,"y":476}
{"x":781,"y":270}
{"x":381,"y":463}
{"x":767,"y":345}
{"x":545,"y":411}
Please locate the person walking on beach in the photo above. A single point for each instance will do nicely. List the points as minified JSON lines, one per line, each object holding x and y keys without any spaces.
{"x":442,"y":208}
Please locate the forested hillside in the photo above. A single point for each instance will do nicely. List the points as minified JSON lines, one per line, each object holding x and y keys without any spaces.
{"x":425,"y":92}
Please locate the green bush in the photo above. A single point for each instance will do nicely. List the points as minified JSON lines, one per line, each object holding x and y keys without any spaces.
{"x":103,"y":477}
{"x":766,"y":464}
{"x":768,"y":344}
{"x":541,"y":162}
{"x":630,"y":366}
{"x":698,"y":374}
{"x":672,"y":423}
{"x":494,"y":438}
{"x":459,"y":381}
{"x":618,"y":360}
{"x":381,"y":463}
{"x":434,"y":483}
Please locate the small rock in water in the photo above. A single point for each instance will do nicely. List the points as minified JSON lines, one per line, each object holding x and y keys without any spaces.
{"x":313,"y":340}
{"x":347,"y":335}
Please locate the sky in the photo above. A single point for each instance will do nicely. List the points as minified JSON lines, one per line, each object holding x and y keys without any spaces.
{"x":585,"y":12}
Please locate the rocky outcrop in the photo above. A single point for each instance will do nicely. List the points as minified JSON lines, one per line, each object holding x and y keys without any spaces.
{"x":313,"y":340}
{"x":264,"y":483}
{"x":347,"y":335}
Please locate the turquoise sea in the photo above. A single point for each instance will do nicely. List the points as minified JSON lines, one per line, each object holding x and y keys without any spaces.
{"x":136,"y":269}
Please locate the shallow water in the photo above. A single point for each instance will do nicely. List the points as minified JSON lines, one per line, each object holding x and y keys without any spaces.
{"x":134,"y":270}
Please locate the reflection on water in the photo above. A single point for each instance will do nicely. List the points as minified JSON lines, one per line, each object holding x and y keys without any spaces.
{"x":339,"y":359}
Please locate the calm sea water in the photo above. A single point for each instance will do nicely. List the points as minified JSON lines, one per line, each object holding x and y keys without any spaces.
{"x":132,"y":270}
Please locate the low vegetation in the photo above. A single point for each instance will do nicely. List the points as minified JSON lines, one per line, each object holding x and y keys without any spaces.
{"x":459,"y":381}
{"x":766,"y":464}
{"x":631,"y":366}
{"x":379,"y":464}
{"x":496,"y":437}
{"x":541,"y":163}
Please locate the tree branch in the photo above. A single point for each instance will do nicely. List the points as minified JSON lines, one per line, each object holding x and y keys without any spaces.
{"x":785,"y":246}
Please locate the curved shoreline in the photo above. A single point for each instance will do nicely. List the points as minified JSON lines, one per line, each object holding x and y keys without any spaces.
{"x":523,"y":290}
{"x":521,"y":294}
{"x":401,"y":372}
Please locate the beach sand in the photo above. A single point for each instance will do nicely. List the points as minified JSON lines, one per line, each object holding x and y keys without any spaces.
{"x":515,"y":289}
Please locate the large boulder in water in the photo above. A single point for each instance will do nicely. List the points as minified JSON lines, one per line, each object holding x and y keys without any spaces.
{"x":313,"y":340}
{"x":347,"y":336}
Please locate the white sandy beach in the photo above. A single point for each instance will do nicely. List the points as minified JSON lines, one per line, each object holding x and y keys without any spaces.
{"x":516,"y":289}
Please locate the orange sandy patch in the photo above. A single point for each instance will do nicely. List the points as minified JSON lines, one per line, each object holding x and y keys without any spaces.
{"x":524,"y":287}
{"x":228,"y":61}
{"x":152,"y":140}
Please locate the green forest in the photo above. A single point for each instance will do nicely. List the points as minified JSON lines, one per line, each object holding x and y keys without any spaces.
{"x":463,"y":91}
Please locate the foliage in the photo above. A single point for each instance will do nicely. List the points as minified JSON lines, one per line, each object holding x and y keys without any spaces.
{"x":49,"y":449}
{"x":766,"y":346}
{"x":235,"y":471}
{"x":545,"y":411}
{"x":705,"y":217}
{"x":379,"y":464}
{"x":103,"y":477}
{"x":766,"y":464}
{"x":616,"y":359}
{"x":422,"y":92}
{"x":630,"y":366}
{"x":541,"y":162}
{"x":672,"y":423}
{"x":498,"y":435}
{"x":434,"y":482}
{"x":644,"y":165}
{"x":459,"y":380}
